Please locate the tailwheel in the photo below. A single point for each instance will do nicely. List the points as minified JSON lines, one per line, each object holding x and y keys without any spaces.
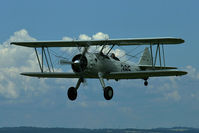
{"x":108,"y":93}
{"x":72,"y":93}
{"x":145,"y":82}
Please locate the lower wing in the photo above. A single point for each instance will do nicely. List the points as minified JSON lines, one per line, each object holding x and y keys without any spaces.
{"x":112,"y":75}
{"x":51,"y":75}
{"x":144,"y":74}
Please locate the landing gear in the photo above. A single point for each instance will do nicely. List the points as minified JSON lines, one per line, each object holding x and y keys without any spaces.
{"x":72,"y":93}
{"x":146,"y":82}
{"x":108,"y":93}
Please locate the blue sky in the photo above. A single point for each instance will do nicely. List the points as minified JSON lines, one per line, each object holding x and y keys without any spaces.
{"x":166,"y":102}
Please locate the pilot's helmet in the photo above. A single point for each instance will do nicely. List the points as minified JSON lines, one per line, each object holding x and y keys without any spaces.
{"x":112,"y":55}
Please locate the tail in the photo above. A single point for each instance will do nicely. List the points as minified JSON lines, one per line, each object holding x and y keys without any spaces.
{"x":145,"y":58}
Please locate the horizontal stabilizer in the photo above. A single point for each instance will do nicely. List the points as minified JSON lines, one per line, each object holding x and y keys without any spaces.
{"x":145,"y":74}
{"x":149,"y":67}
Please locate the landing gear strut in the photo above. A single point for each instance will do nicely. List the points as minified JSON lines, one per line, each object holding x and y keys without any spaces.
{"x":72,"y":91}
{"x":108,"y":91}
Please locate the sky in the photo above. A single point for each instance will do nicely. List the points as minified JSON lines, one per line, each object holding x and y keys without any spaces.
{"x":165,"y":102}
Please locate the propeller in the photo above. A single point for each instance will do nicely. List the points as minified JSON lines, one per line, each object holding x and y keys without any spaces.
{"x":65,"y":62}
{"x":79,"y":63}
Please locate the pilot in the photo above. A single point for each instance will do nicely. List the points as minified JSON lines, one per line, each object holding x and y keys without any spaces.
{"x":114,"y":57}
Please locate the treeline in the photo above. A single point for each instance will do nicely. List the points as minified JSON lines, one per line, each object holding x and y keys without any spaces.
{"x":81,"y":130}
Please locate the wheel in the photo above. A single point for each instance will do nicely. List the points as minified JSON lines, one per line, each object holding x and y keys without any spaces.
{"x":145,"y":82}
{"x":108,"y":93}
{"x":72,"y":93}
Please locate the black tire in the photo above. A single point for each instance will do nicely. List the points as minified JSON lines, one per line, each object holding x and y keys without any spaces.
{"x":146,"y":83}
{"x":72,"y":93}
{"x":108,"y":93}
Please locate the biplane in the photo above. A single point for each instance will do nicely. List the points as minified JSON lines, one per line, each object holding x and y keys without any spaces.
{"x":105,"y":65}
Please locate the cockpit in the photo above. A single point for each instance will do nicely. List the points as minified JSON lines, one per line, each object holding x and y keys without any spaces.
{"x":114,"y":57}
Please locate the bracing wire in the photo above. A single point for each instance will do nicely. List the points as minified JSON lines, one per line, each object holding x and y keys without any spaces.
{"x":129,"y":51}
{"x":55,"y":54}
{"x":134,"y":56}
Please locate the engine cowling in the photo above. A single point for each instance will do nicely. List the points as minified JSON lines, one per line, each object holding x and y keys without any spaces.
{"x":79,"y":63}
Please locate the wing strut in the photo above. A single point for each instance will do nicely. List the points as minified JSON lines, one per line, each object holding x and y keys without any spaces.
{"x":158,"y":55}
{"x":50,"y":59}
{"x":38,"y":60}
{"x":110,"y":49}
{"x":47,"y":59}
{"x":163,"y":55}
{"x":42,"y":59}
{"x":151,"y":49}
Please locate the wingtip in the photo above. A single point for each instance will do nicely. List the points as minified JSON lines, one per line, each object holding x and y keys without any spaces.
{"x":182,"y":41}
{"x":22,"y":74}
{"x":184,"y":72}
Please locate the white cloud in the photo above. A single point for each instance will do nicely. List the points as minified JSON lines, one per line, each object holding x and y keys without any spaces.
{"x":173,"y":95}
{"x":100,"y":36}
{"x":119,"y":53}
{"x":21,"y":35}
{"x":84,"y":37}
{"x":83,"y":104}
{"x":192,"y":72}
{"x":166,"y":88}
{"x":176,"y":88}
{"x":69,"y":50}
{"x":66,"y":38}
{"x":7,"y":89}
{"x":14,"y":60}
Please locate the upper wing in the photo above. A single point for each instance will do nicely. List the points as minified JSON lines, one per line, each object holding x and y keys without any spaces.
{"x":144,"y":74}
{"x":78,"y":43}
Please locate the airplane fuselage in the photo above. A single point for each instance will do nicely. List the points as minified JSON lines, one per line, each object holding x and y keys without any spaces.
{"x":93,"y":63}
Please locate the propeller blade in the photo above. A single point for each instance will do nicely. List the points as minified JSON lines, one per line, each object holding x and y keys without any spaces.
{"x":84,"y":52}
{"x":64,"y":62}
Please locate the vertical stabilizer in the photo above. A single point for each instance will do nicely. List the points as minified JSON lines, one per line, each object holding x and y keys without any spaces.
{"x":145,"y":59}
